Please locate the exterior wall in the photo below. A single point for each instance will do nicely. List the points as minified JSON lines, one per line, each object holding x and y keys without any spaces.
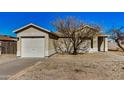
{"x":51,"y":47}
{"x":31,"y":32}
{"x":102,"y":48}
{"x":84,"y":47}
{"x":106,"y":44}
{"x":19,"y":47}
{"x":89,"y":46}
{"x":60,"y":45}
{"x":95,"y":44}
{"x":103,"y":44}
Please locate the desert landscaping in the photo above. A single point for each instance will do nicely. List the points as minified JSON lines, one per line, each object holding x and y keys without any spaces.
{"x":75,"y":50}
{"x":93,"y":66}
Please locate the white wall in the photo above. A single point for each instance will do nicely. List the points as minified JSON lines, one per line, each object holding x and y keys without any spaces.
{"x":106,"y":44}
{"x":95,"y":44}
{"x":19,"y":47}
{"x":51,"y":47}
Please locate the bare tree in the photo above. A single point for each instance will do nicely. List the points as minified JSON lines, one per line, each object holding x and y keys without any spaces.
{"x":118,"y":36}
{"x":74,"y":33}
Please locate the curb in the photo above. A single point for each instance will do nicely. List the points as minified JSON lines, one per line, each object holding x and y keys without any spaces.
{"x":14,"y":77}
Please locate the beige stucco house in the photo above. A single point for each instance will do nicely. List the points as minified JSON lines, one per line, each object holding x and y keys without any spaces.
{"x":35,"y":41}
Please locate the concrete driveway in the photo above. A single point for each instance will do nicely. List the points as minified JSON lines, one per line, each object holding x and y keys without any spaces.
{"x":10,"y":68}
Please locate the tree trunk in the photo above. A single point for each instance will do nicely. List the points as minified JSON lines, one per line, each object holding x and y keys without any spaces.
{"x":118,"y":43}
{"x":75,"y":51}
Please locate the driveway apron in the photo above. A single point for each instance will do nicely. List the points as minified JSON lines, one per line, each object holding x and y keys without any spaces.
{"x":12,"y":67}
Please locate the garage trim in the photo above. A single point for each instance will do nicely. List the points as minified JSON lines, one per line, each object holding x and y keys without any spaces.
{"x":32,"y":36}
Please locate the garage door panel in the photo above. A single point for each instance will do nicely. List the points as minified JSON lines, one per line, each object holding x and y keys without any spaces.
{"x":32,"y":47}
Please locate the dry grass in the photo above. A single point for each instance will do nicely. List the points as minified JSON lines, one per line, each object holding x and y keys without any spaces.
{"x":81,"y":67}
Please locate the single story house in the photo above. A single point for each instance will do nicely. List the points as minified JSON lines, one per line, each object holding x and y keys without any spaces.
{"x":8,"y":45}
{"x":35,"y":41}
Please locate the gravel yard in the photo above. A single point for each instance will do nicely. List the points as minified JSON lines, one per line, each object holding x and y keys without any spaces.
{"x":93,"y":66}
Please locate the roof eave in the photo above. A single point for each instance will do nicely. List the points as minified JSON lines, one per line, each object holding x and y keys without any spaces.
{"x":33,"y":25}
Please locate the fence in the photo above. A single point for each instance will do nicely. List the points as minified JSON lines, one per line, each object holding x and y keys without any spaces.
{"x":8,"y":47}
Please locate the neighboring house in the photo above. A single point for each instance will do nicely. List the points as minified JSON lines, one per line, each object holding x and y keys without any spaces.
{"x":8,"y":44}
{"x":35,"y":41}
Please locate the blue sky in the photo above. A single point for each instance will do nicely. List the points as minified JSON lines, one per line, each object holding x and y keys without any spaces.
{"x":10,"y":21}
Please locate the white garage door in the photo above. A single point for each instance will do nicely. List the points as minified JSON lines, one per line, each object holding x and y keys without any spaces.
{"x":32,"y":47}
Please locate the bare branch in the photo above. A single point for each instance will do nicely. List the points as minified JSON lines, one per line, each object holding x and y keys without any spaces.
{"x":74,"y":33}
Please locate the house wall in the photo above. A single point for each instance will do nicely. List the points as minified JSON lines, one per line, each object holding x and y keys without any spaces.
{"x":90,"y":46}
{"x":103,"y":44}
{"x":51,"y":46}
{"x":60,"y":44}
{"x":106,"y":44}
{"x":95,"y":43}
{"x":31,"y":32}
{"x":19,"y":47}
{"x":84,"y":47}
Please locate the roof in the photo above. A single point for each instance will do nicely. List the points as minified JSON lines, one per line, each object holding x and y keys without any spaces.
{"x":102,"y":35}
{"x":7,"y":38}
{"x":35,"y":26}
{"x":99,"y":34}
{"x":59,"y":34}
{"x":86,"y":26}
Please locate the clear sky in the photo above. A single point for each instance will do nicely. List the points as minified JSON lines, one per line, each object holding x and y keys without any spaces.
{"x":10,"y":21}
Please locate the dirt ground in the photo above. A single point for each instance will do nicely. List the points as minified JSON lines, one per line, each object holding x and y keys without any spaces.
{"x":7,"y":57}
{"x":93,"y":66}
